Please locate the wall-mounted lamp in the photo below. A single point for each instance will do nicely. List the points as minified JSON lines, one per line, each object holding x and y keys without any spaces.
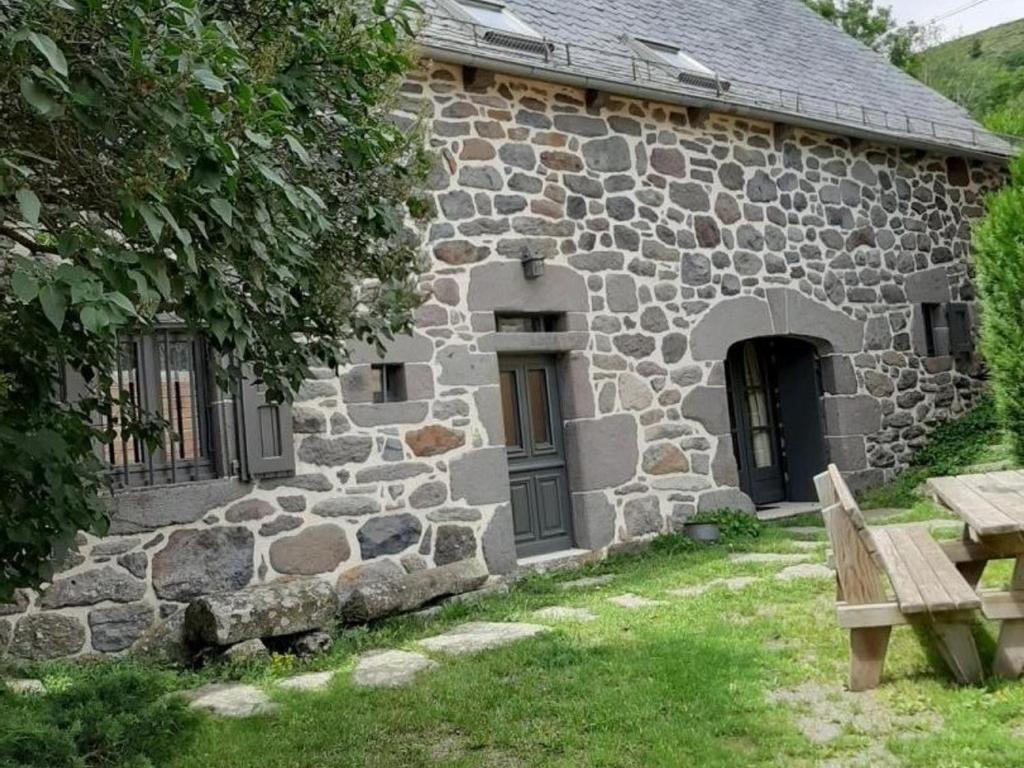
{"x":533,"y":264}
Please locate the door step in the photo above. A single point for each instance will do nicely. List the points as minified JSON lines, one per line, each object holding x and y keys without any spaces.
{"x":563,"y":560}
{"x":786,"y":509}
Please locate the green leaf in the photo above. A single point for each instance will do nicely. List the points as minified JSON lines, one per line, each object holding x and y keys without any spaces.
{"x":54,"y":305}
{"x":297,"y":148}
{"x":209,"y":80}
{"x":93,"y":319}
{"x":260,"y":140}
{"x":45,"y":45}
{"x":25,"y":286}
{"x":38,"y":98}
{"x":153,"y":222}
{"x":29,"y":204}
{"x":223,"y":209}
{"x":118,"y":298}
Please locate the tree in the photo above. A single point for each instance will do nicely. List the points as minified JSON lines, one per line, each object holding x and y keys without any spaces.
{"x":999,"y":259}
{"x":875,"y":27}
{"x":232,"y":162}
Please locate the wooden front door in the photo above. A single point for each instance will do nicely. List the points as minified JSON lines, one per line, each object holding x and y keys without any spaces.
{"x":536,"y":455}
{"x":754,"y":421}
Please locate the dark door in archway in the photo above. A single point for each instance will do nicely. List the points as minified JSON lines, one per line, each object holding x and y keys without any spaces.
{"x":775,"y":411}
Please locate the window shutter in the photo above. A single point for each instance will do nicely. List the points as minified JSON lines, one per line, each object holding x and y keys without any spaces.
{"x":266,"y":431}
{"x":958,"y":317}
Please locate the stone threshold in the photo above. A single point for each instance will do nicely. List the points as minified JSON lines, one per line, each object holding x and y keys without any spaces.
{"x":786,"y":509}
{"x":563,"y":560}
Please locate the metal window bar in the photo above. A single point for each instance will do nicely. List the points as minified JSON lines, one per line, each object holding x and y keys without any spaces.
{"x":442,"y":31}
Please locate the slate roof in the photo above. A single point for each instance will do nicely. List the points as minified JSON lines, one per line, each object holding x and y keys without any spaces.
{"x":769,"y":51}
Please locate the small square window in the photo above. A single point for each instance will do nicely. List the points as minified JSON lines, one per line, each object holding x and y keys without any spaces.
{"x":936,"y":329}
{"x":510,"y":323}
{"x":388,"y":383}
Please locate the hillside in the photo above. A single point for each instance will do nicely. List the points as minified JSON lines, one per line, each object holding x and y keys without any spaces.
{"x":984,"y":72}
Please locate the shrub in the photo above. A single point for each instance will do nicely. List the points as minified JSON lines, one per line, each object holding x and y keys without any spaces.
{"x":107,"y":716}
{"x":999,"y":256}
{"x":733,"y":524}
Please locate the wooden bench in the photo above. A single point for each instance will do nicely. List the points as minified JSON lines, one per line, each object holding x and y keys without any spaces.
{"x":929,"y":591}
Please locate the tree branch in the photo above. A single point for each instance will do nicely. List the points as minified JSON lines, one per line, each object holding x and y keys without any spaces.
{"x":25,"y":240}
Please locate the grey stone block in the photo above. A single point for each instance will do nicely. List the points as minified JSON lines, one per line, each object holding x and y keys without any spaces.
{"x":710,"y":407}
{"x":848,"y":453}
{"x":499,"y":542}
{"x":503,"y":286}
{"x":480,"y":476}
{"x":93,"y":586}
{"x":577,"y":393}
{"x":118,"y":627}
{"x":643,"y":516}
{"x":147,"y":509}
{"x":453,"y":543}
{"x":379,"y":414}
{"x":852,"y":415}
{"x":602,"y":452}
{"x":725,"y":498}
{"x":315,"y":549}
{"x":404,"y":348}
{"x":461,"y":366}
{"x":929,"y":285}
{"x":43,"y":636}
{"x":488,"y":407}
{"x":593,"y":520}
{"x":795,"y":313}
{"x":837,"y":375}
{"x":335,"y":451}
{"x":346,"y":506}
{"x":197,"y":562}
{"x":727,"y":322}
{"x":388,"y":535}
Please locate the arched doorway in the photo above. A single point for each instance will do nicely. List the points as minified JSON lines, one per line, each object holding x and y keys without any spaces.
{"x":775,"y":413}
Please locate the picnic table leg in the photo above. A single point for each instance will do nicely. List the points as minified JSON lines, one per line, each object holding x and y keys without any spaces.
{"x":867,"y":656}
{"x":972,"y":570}
{"x":957,"y":647}
{"x":1009,"y":660}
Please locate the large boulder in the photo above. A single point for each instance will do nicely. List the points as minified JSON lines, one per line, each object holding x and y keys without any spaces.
{"x":383,"y":588}
{"x":282,"y":607}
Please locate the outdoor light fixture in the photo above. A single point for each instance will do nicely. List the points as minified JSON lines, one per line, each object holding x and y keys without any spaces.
{"x":533,"y":265}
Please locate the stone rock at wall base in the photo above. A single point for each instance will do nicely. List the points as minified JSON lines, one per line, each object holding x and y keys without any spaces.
{"x":164,"y":642}
{"x":725,"y":498}
{"x":304,"y":644}
{"x":380,"y":589}
{"x":44,"y":636}
{"x":196,"y":562}
{"x":117,"y":627}
{"x":93,"y":586}
{"x":498,"y":542}
{"x":282,"y":607}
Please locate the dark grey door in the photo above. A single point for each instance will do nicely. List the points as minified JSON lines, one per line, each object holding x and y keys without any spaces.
{"x":536,"y":455}
{"x":755,"y":432}
{"x":798,"y":387}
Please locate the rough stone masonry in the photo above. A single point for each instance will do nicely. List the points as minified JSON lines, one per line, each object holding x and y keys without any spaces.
{"x":668,"y":235}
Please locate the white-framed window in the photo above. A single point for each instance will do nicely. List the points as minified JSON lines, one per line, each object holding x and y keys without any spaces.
{"x":671,"y":58}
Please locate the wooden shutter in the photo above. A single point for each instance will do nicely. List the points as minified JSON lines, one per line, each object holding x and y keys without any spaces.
{"x":266,"y":431}
{"x":958,"y":317}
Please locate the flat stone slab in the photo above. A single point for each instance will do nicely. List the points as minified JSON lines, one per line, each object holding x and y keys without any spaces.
{"x":390,"y":669}
{"x":479,"y":636}
{"x":734,"y":584}
{"x":633,"y":602}
{"x":805,"y":530}
{"x":231,"y":700}
{"x":587,"y":582}
{"x":564,"y":613}
{"x":762,"y":558}
{"x":26,"y":686}
{"x":313,"y":681}
{"x":805,"y":571}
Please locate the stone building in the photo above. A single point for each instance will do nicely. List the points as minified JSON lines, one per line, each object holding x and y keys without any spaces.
{"x":684,"y":253}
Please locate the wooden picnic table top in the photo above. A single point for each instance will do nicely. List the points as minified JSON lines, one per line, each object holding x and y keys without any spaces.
{"x":991,"y":503}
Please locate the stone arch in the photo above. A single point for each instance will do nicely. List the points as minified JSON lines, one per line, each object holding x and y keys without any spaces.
{"x":783,"y":312}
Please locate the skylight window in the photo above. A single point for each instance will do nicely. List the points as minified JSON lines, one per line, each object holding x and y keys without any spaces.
{"x":503,"y":28}
{"x":686,"y":68}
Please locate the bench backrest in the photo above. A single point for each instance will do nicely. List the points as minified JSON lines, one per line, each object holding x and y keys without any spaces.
{"x":858,"y":566}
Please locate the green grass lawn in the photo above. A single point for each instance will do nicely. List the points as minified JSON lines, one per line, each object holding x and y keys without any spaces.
{"x":690,"y":682}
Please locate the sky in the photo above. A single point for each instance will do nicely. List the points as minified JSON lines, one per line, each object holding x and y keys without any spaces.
{"x":987,"y":13}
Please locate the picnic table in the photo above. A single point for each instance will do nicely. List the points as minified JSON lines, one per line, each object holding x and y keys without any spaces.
{"x":991,"y":504}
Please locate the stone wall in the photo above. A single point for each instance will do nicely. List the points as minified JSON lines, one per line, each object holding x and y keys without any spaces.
{"x":669,"y":235}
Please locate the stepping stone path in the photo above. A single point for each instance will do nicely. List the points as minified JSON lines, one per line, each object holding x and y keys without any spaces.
{"x":805,"y":571}
{"x":767,"y":557}
{"x":314,"y":681}
{"x":734,"y":584}
{"x":807,"y":546}
{"x":390,"y":669}
{"x":564,"y":613}
{"x":231,"y":700}
{"x":805,"y":530}
{"x":479,"y":636}
{"x":587,"y":582}
{"x":633,"y":602}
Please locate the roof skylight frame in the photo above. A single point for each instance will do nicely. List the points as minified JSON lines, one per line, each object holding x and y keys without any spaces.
{"x":673,"y":59}
{"x":502,"y":27}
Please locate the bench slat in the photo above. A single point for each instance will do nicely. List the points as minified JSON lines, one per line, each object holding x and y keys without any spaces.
{"x":908,"y":595}
{"x":969,"y":504}
{"x":963,"y":596}
{"x":936,"y":598}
